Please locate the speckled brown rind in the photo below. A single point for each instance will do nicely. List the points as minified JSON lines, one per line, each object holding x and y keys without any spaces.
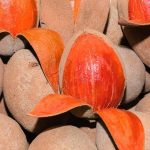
{"x":147,"y":83}
{"x":92,"y":14}
{"x":135,"y":74}
{"x":139,"y":39}
{"x":103,"y":140}
{"x":113,"y":30}
{"x":62,"y":138}
{"x":12,"y":136}
{"x":57,"y":15}
{"x":91,"y":132}
{"x":24,"y":86}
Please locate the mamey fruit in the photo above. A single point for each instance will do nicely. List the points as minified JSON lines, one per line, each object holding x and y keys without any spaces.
{"x":12,"y":136}
{"x":25,"y":87}
{"x":57,"y":15}
{"x":65,"y":137}
{"x":135,"y":74}
{"x":86,"y":72}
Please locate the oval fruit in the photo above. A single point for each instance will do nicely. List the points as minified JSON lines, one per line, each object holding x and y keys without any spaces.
{"x":12,"y":137}
{"x":88,"y":73}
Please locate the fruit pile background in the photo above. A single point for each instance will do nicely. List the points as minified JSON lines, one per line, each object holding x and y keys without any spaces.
{"x":75,"y":75}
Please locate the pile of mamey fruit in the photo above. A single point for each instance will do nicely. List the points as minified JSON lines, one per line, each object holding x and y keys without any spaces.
{"x":75,"y":74}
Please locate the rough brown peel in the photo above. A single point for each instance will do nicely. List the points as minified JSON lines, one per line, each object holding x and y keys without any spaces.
{"x":135,"y":74}
{"x":147,"y":83}
{"x":12,"y":137}
{"x":62,"y":138}
{"x":139,"y":39}
{"x":113,"y":30}
{"x":25,"y":87}
{"x":57,"y":15}
{"x":92,"y":14}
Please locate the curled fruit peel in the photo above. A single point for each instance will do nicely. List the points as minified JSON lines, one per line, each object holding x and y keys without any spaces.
{"x":55,"y":104}
{"x":125,"y":127}
{"x":17,"y":15}
{"x":93,"y":72}
{"x":48,"y":46}
{"x":139,"y":11}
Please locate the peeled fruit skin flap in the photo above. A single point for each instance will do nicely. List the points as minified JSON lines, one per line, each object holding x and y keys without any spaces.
{"x":17,"y":15}
{"x":48,"y":46}
{"x":125,"y":128}
{"x":93,"y":72}
{"x":139,"y":10}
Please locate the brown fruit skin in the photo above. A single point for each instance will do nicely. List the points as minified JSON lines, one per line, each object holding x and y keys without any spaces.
{"x":113,"y":30}
{"x":145,"y":119}
{"x":103,"y":140}
{"x":6,"y":44}
{"x":1,"y":75}
{"x":135,"y":74}
{"x":12,"y":136}
{"x":57,"y":15}
{"x":91,"y":132}
{"x":147,"y":83}
{"x":144,"y":104}
{"x":24,"y":86}
{"x":2,"y":107}
{"x":92,"y":14}
{"x":9,"y":44}
{"x":139,"y":40}
{"x":62,"y":138}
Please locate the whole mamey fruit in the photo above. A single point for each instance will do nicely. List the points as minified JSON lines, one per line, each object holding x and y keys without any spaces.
{"x":62,"y":138}
{"x":12,"y":136}
{"x":25,"y":87}
{"x":88,"y":73}
{"x":135,"y":74}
